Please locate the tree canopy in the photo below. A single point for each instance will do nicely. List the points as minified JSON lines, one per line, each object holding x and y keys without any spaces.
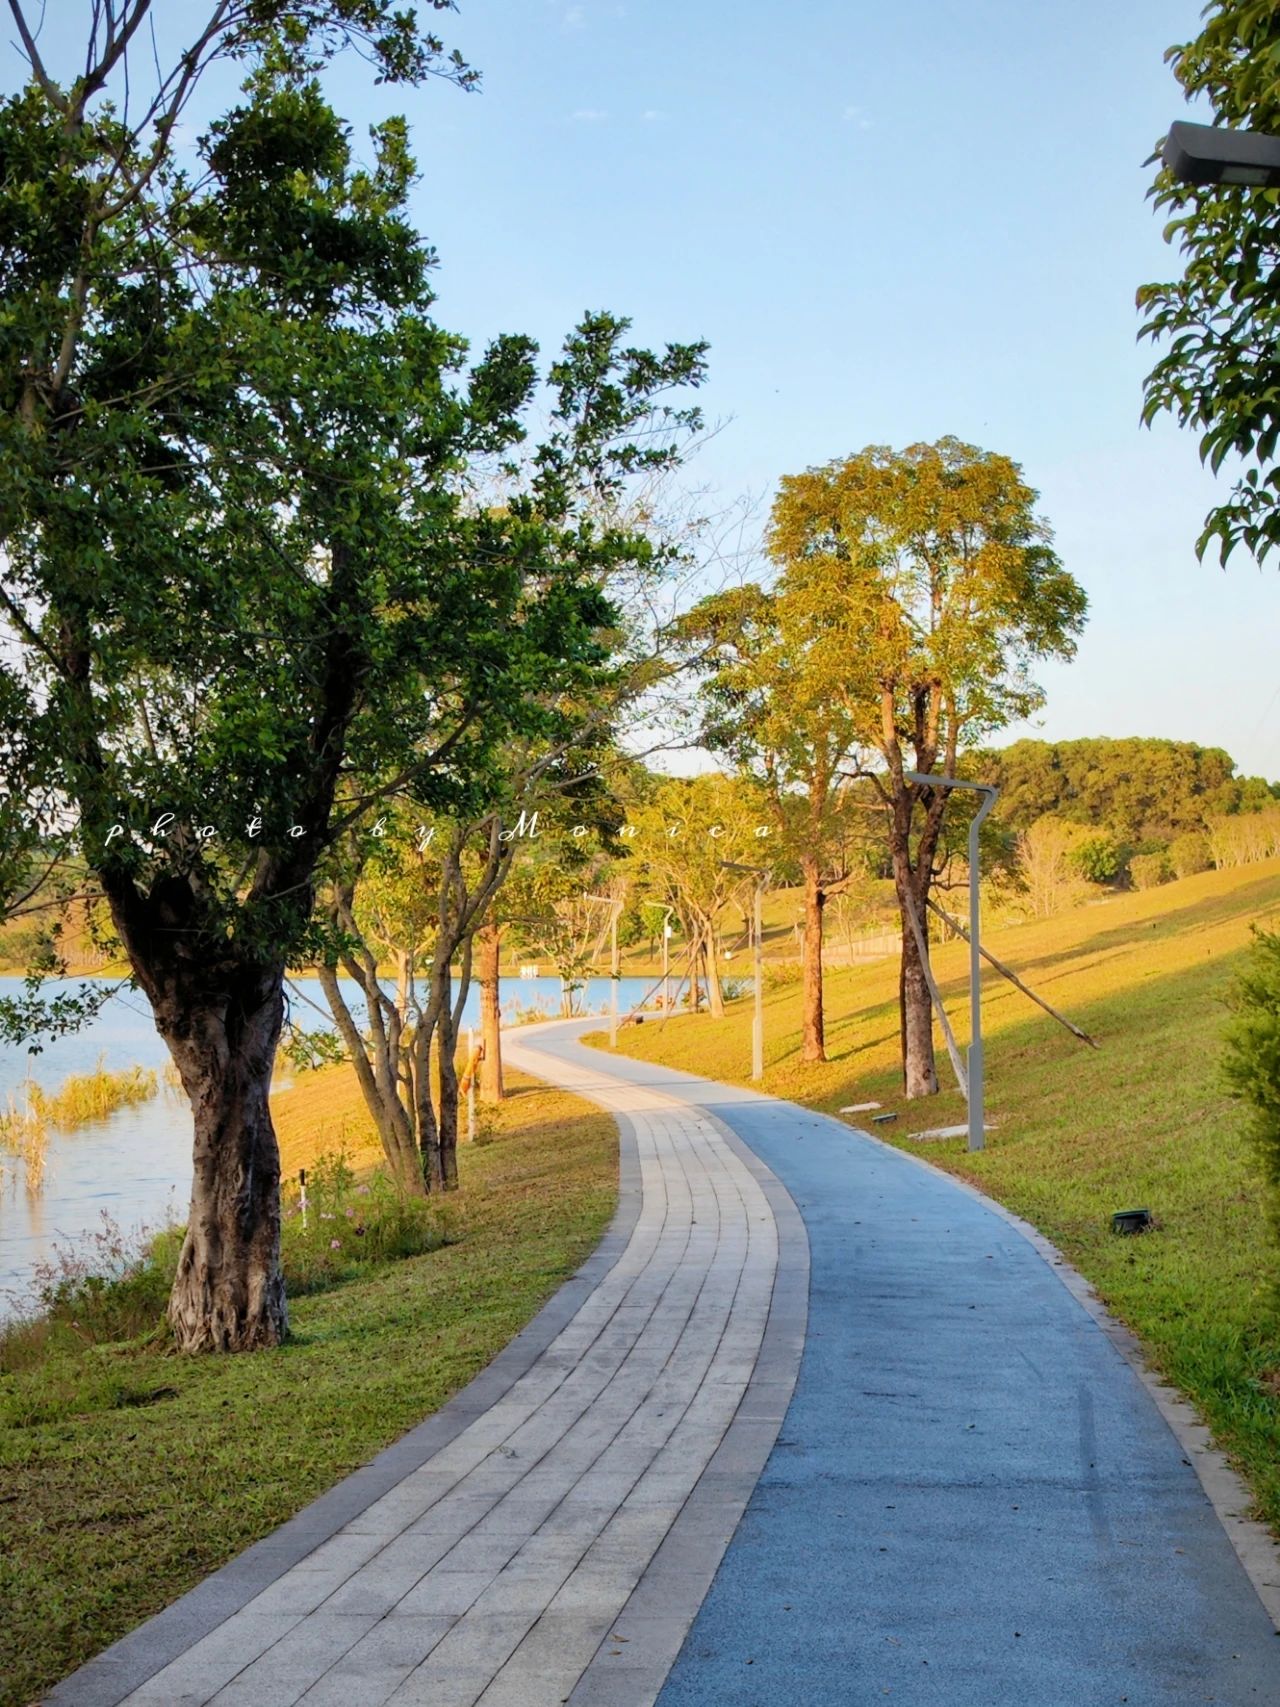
{"x":254,"y":585}
{"x":1220,"y":321}
{"x":1138,"y":789}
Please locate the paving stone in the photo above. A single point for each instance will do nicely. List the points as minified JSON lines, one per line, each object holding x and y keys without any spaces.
{"x":485,"y":1556}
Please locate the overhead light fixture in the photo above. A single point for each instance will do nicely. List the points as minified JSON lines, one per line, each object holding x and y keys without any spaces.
{"x":1212,"y":154}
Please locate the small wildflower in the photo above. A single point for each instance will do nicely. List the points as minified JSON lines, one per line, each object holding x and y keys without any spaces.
{"x":335,"y":1244}
{"x":351,"y":1214}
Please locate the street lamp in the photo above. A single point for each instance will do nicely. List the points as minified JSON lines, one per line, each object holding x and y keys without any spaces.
{"x":977,"y":1134}
{"x":757,"y":1019}
{"x":1211,"y":154}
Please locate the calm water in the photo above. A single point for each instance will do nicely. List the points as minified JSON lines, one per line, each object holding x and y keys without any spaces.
{"x":136,"y":1165}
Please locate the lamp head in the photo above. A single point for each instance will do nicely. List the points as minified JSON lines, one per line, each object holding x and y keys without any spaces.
{"x":1212,"y":154}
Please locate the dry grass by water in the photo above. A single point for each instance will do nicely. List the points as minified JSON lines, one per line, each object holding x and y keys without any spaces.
{"x":1142,"y":1122}
{"x":83,"y":1097}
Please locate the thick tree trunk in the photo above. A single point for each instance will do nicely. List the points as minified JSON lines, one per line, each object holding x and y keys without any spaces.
{"x":813,"y":1039}
{"x":919,"y":1071}
{"x":228,"y":1294}
{"x":488,"y":958}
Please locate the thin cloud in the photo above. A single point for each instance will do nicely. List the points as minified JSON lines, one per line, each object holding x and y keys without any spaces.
{"x":855,"y":116}
{"x":654,"y":115}
{"x":588,"y":115}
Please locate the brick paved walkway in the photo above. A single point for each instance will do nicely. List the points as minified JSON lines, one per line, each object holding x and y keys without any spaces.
{"x":554,"y":1540}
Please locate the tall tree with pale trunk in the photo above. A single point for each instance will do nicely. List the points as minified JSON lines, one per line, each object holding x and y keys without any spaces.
{"x":931,"y":588}
{"x":914,"y":590}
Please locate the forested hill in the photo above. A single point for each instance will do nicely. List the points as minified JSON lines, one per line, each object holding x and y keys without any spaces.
{"x":1139,"y":789}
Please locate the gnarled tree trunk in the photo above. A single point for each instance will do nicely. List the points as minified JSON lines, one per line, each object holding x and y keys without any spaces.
{"x":813,"y":1038}
{"x":228,"y":1294}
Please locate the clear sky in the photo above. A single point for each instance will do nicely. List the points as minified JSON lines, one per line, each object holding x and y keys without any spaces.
{"x":893,"y":219}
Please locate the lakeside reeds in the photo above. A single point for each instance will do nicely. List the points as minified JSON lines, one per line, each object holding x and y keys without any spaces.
{"x":24,"y":1133}
{"x":25,"y":1120}
{"x":92,"y":1096}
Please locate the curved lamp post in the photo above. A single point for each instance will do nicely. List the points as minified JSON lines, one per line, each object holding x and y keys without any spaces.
{"x":977,"y":1130}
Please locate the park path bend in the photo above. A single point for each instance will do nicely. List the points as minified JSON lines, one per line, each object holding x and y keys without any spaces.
{"x":814,"y":1427}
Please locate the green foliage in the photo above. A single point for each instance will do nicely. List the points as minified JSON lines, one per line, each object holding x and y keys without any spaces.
{"x":1189,"y":854}
{"x":352,"y":1226}
{"x":1220,"y":374}
{"x":1098,"y":859}
{"x":239,"y":464}
{"x":1251,"y":1056}
{"x":307,"y":1051}
{"x":1149,"y":870}
{"x":1135,"y":789}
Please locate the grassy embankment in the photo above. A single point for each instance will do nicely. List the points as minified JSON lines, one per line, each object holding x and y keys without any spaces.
{"x":127,"y":1474}
{"x":1140,"y":1122}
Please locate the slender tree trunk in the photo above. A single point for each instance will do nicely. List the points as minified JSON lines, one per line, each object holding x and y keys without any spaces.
{"x":813,"y":1041}
{"x":488,"y":956}
{"x":715,"y":996}
{"x":919,"y":1071}
{"x":228,"y":1293}
{"x":447,"y":1130}
{"x":379,"y":1081}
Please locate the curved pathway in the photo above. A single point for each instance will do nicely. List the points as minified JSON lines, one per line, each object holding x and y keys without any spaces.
{"x":973,"y":1499}
{"x":549,"y":1535}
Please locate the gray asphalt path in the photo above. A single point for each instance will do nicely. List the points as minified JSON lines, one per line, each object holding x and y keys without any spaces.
{"x":973,"y":1500}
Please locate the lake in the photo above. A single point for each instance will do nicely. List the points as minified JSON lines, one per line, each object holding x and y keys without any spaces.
{"x":136,"y":1165}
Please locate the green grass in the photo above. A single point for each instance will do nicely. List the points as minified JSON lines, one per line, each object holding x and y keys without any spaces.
{"x":127,"y":1473}
{"x":1141,"y":1122}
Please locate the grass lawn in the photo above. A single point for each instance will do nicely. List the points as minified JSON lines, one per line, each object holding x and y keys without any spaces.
{"x":149,"y":1470}
{"x":1140,"y":1122}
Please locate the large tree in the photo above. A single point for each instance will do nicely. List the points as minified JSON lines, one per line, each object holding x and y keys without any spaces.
{"x":1220,"y":372}
{"x":249,"y":594}
{"x":933,"y":588}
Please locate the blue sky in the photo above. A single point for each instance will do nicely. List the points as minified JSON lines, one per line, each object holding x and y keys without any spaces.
{"x":893,"y":222}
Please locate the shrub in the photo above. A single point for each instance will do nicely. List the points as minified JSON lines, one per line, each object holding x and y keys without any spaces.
{"x":1189,"y":854}
{"x":1251,"y":1061}
{"x":1150,"y":870}
{"x":1098,"y":859}
{"x":779,"y":974}
{"x":112,"y":1286}
{"x":351,"y":1227}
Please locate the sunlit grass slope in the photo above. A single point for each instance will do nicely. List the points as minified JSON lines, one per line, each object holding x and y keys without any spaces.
{"x":1141,"y":1122}
{"x":128,"y":1474}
